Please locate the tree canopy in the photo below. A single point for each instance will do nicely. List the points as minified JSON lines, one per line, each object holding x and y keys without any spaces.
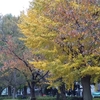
{"x":67,"y":34}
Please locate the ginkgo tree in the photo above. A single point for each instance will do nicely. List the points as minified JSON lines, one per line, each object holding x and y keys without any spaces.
{"x":67,"y":34}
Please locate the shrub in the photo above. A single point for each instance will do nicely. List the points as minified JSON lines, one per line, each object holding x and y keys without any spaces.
{"x":74,"y":98}
{"x":54,"y":98}
{"x":5,"y":97}
{"x":46,"y":98}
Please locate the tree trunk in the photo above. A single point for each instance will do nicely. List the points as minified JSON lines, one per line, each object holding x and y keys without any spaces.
{"x":63,"y":93}
{"x":58,"y":96}
{"x":1,"y":89}
{"x":41,"y":91}
{"x":14,"y":93}
{"x":25,"y":92}
{"x":86,"y":88}
{"x":32,"y":91}
{"x":9,"y":91}
{"x":33,"y":94}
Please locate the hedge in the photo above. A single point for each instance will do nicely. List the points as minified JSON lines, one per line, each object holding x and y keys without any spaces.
{"x":54,"y":98}
{"x":74,"y":98}
{"x":47,"y":98}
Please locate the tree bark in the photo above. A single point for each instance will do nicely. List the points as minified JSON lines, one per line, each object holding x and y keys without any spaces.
{"x":14,"y":93}
{"x":58,"y":96}
{"x":25,"y":91}
{"x":41,"y":91}
{"x":9,"y":91}
{"x":86,"y":88}
{"x":32,"y":91}
{"x":63,"y":93}
{"x":32,"y":88}
{"x":1,"y":89}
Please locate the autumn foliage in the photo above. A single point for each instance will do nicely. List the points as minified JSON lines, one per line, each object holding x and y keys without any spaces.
{"x":67,"y":34}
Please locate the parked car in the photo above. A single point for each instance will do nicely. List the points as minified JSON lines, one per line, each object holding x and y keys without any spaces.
{"x":5,"y":91}
{"x":96,"y":94}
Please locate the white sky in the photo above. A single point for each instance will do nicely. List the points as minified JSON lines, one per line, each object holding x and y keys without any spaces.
{"x":13,"y":6}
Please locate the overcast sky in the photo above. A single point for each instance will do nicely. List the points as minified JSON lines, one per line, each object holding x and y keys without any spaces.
{"x":13,"y":6}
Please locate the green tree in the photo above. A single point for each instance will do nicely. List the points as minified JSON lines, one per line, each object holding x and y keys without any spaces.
{"x":15,"y":55}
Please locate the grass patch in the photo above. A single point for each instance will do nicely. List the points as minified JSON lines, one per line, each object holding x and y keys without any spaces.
{"x":96,"y":98}
{"x":43,"y":98}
